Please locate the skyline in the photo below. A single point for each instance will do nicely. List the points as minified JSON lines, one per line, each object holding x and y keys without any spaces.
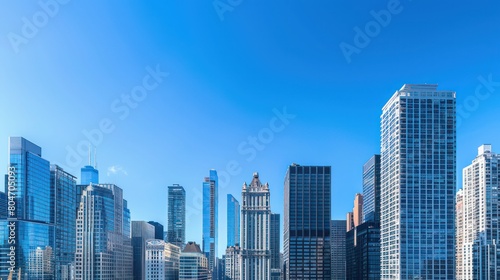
{"x":226,"y":77}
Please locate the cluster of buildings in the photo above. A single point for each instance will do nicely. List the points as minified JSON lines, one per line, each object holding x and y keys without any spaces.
{"x":409,"y":222}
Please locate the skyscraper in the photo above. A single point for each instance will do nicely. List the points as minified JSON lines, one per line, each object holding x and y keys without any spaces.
{"x":357,"y":211}
{"x":371,"y":189}
{"x":363,"y":252}
{"x":255,"y":237}
{"x":210,"y":218}
{"x":141,"y":232}
{"x":479,"y":218}
{"x":176,"y":228}
{"x":29,"y":225}
{"x":162,"y":260}
{"x":104,"y":249}
{"x":63,"y":215}
{"x":349,"y":221}
{"x":159,"y":230}
{"x":232,"y":264}
{"x":193,"y":264}
{"x":307,"y":222}
{"x":233,"y":221}
{"x":418,"y":181}
{"x":89,"y":175}
{"x":338,"y":250}
{"x":459,"y":236}
{"x":274,"y":246}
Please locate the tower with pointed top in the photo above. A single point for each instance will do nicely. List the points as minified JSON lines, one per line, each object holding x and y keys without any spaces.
{"x":255,"y":235}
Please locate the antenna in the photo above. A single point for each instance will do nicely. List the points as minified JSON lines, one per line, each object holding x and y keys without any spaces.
{"x":90,"y":151}
{"x":95,"y":157}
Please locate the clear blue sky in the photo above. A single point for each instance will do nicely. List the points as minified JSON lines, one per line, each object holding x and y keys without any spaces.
{"x":67,"y":73}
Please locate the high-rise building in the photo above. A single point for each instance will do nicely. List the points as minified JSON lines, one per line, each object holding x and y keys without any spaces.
{"x":162,"y":260}
{"x":210,"y":218}
{"x":104,"y":249}
{"x":338,"y":251}
{"x":349,"y":221}
{"x":255,"y":237}
{"x":307,"y":222}
{"x":193,"y":264}
{"x":233,"y":221}
{"x":418,"y":181}
{"x":232,"y":264}
{"x":30,"y":247}
{"x":3,"y":204}
{"x":357,"y":211}
{"x":371,"y":189}
{"x":480,"y":218}
{"x":363,"y":252}
{"x":158,"y":229}
{"x":274,"y":246}
{"x":141,"y":232}
{"x":459,"y":236}
{"x":89,"y":175}
{"x":176,"y":228}
{"x":63,"y":215}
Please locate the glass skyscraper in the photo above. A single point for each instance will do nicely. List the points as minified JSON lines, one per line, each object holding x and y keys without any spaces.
{"x":210,"y":218}
{"x":233,"y":221}
{"x":159,"y":230}
{"x":371,"y":189}
{"x":307,"y":222}
{"x":141,"y":232}
{"x":89,"y":175}
{"x":176,"y":227}
{"x":29,"y":226}
{"x":274,"y":246}
{"x":64,"y":195}
{"x":338,"y":230}
{"x":418,"y":182}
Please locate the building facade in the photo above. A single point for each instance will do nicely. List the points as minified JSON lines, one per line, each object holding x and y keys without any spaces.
{"x":357,"y":210}
{"x":233,"y":221}
{"x":338,"y":249}
{"x":274,"y":246}
{"x":89,"y":175}
{"x":307,"y":222}
{"x":418,"y":181}
{"x":176,"y":228}
{"x":193,"y":263}
{"x":478,"y":236}
{"x":255,"y":237}
{"x":159,"y":230}
{"x":210,"y":218}
{"x":141,"y":232}
{"x":363,"y":252}
{"x":233,"y":263}
{"x":162,"y":260}
{"x":64,"y":196}
{"x":30,"y":226}
{"x":459,"y":236}
{"x":371,"y":189}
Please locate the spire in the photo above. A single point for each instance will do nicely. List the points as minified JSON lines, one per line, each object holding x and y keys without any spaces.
{"x":95,"y":157}
{"x":90,"y":151}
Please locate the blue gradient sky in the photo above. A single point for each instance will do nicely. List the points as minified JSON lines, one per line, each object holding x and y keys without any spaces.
{"x":226,"y":78}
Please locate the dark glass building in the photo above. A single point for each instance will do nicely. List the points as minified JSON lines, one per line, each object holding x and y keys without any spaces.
{"x":371,"y":189}
{"x":31,"y":244}
{"x":210,"y":218}
{"x":363,"y":252}
{"x":337,"y":237}
{"x":307,"y":222}
{"x":233,"y":221}
{"x":176,"y":228}
{"x":158,"y":229}
{"x":63,"y":192}
{"x":274,"y":246}
{"x":141,"y":232}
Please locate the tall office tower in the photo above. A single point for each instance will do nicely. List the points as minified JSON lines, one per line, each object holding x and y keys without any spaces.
{"x":480,"y":217}
{"x":349,"y":221}
{"x":255,"y":236}
{"x":371,"y":189}
{"x":193,"y":264}
{"x":233,"y":261}
{"x":30,"y":228}
{"x":363,"y":252}
{"x":274,"y":246}
{"x":104,"y":251}
{"x":338,"y":249}
{"x":357,"y":211}
{"x":418,"y":181}
{"x":210,"y":218}
{"x":162,"y":260}
{"x":89,"y":175}
{"x":176,"y":228}
{"x":158,"y":229}
{"x":63,"y":192}
{"x":221,"y":266}
{"x":3,"y":204}
{"x":307,"y":222}
{"x":459,"y":236}
{"x":233,"y":221}
{"x":141,"y":232}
